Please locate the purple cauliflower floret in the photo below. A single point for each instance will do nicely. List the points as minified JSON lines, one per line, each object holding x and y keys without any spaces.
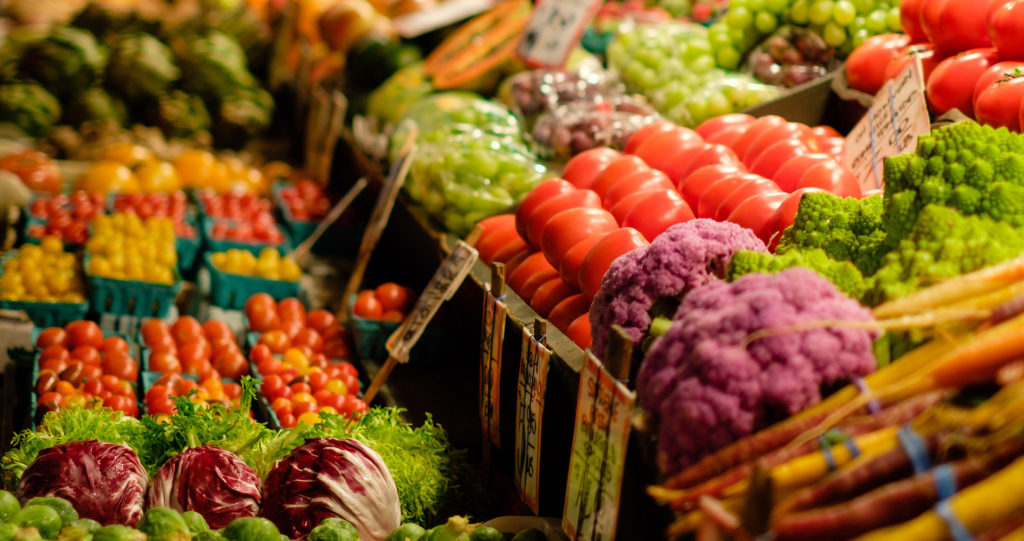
{"x":708,"y":389}
{"x":685,"y":256}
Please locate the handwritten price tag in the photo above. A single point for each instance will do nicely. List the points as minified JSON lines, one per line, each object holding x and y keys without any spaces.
{"x":492,"y":338}
{"x":603,"y":410}
{"x":555,"y":27}
{"x":442,"y":286}
{"x":533,"y":381}
{"x":898,"y":115}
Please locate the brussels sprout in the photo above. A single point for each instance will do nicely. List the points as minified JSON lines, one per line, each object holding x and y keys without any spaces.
{"x":250,"y":529}
{"x":209,"y":535}
{"x":195,"y":522}
{"x":334,"y":529}
{"x":164,"y":524}
{"x":8,"y":505}
{"x":26,"y":534}
{"x":42,"y":517}
{"x":60,"y":505}
{"x":78,"y":530}
{"x":531,"y":534}
{"x":7,"y":531}
{"x":118,"y":532}
{"x":453,"y":530}
{"x":486,"y":533}
{"x":407,"y":532}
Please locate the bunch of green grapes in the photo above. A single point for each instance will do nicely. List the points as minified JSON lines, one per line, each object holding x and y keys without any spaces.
{"x":844,"y":24}
{"x":672,"y":65}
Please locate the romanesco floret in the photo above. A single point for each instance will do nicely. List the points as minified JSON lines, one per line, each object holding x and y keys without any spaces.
{"x":942,"y":243}
{"x":846,"y":229}
{"x":843,"y":274}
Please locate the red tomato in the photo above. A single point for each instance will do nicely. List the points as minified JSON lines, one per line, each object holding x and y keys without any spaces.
{"x":579,"y":331}
{"x":321,"y":320}
{"x":214,"y":330}
{"x":865,"y":67}
{"x":87,"y":354}
{"x":115,"y":343}
{"x":756,"y":213}
{"x":119,"y":403}
{"x":583,"y":168}
{"x":534,"y":265}
{"x":833,"y":177}
{"x":641,"y":181}
{"x":153,"y":330}
{"x":261,"y":310}
{"x":951,"y":84}
{"x":291,"y":309}
{"x":563,"y":314}
{"x":542,"y":193}
{"x":84,"y":333}
{"x":511,"y":251}
{"x":930,"y":58}
{"x":36,"y":170}
{"x":784,"y":215}
{"x":776,"y":155}
{"x":367,"y":306}
{"x":186,"y":329}
{"x":789,"y":175}
{"x":52,"y":336}
{"x":569,"y":268}
{"x":910,"y":20}
{"x":232,"y":365}
{"x":931,"y":12}
{"x":392,"y":296}
{"x":657,"y":150}
{"x":754,"y":130}
{"x":788,"y":131}
{"x":1005,"y":23}
{"x":728,"y":135}
{"x":713,"y":155}
{"x":711,"y":126}
{"x":309,"y":338}
{"x":962,"y":26}
{"x":697,"y":183}
{"x":625,"y":205}
{"x":716,"y":192}
{"x":622,"y":166}
{"x":657,"y":212}
{"x":758,"y":185}
{"x":544,"y":212}
{"x":121,"y":365}
{"x":276,"y":340}
{"x":999,"y":104}
{"x":512,"y":264}
{"x":994,"y":73}
{"x":59,"y":353}
{"x":317,"y":380}
{"x":91,"y":372}
{"x":549,"y":294}
{"x":500,"y":222}
{"x":641,"y":135}
{"x":499,"y":240}
{"x":679,"y":163}
{"x":163,"y":362}
{"x":569,"y":227}
{"x":601,"y":256}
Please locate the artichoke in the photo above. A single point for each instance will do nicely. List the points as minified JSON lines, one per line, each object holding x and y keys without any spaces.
{"x":215,"y":66}
{"x":28,"y":106}
{"x":141,"y":66}
{"x":243,"y":114}
{"x":65,"y":62}
{"x":94,"y":105}
{"x":180,"y":114}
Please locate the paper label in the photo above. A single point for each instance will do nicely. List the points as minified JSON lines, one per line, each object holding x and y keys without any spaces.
{"x":599,"y":442}
{"x":442,"y":286}
{"x":555,"y":27}
{"x":492,"y":338}
{"x":533,"y":381}
{"x":896,"y":118}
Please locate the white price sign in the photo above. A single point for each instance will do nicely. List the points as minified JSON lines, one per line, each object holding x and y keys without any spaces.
{"x":533,"y":381}
{"x":896,"y":118}
{"x":555,"y":27}
{"x":492,"y":338}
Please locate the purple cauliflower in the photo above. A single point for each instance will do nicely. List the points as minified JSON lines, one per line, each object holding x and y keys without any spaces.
{"x":685,"y":256}
{"x":707,"y":388}
{"x":209,"y":480}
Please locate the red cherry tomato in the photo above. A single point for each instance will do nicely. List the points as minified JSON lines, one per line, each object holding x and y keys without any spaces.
{"x":214,"y":330}
{"x":367,"y":306}
{"x":563,"y":314}
{"x":311,"y":339}
{"x":650,"y":179}
{"x":601,"y":256}
{"x":291,"y":309}
{"x":261,"y":311}
{"x":583,"y":168}
{"x":160,"y":361}
{"x":232,"y":365}
{"x":951,"y":84}
{"x":554,"y":206}
{"x":776,"y":155}
{"x":277,"y":340}
{"x":549,"y":294}
{"x":321,"y":320}
{"x":756,"y":186}
{"x":710,"y":127}
{"x":186,"y":329}
{"x":657,"y":212}
{"x":52,"y":336}
{"x":579,"y":331}
{"x":833,"y":177}
{"x":640,"y":136}
{"x":115,"y":343}
{"x":756,"y":212}
{"x":865,"y":67}
{"x":393,"y":296}
{"x":84,"y":333}
{"x":542,"y":193}
{"x":789,"y":175}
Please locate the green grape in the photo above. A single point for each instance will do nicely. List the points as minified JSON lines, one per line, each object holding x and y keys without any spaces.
{"x":859,"y":36}
{"x":798,"y":12}
{"x":778,"y":7}
{"x":649,"y":79}
{"x":820,"y":12}
{"x":765,"y":22}
{"x":739,"y":17}
{"x":728,"y":58}
{"x":864,"y":6}
{"x":755,"y":5}
{"x":893,"y":20}
{"x":877,"y":21}
{"x":698,"y":107}
{"x":843,"y":13}
{"x":702,"y":64}
{"x":858,"y":23}
{"x":834,"y":34}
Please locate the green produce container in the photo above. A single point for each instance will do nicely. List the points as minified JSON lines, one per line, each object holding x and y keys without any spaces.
{"x":370,"y":335}
{"x":44,"y":314}
{"x":232,"y":290}
{"x":132,"y":297}
{"x":187,"y":248}
{"x":220,"y":245}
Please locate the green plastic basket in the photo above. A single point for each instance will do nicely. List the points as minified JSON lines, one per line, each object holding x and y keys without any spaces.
{"x":45,"y":314}
{"x":370,"y":335}
{"x":232,"y":290}
{"x":220,"y":245}
{"x":132,"y":297}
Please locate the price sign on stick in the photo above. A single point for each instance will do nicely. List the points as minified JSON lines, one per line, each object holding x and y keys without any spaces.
{"x":442,"y":286}
{"x":532,"y":383}
{"x":492,"y":338}
{"x":604,"y":409}
{"x":896,"y":118}
{"x":555,"y":27}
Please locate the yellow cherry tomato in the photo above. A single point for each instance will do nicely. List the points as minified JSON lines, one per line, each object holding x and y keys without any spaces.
{"x":195,"y":167}
{"x":295,"y":358}
{"x":328,"y":409}
{"x":303,"y":397}
{"x":156,"y":176}
{"x":108,"y":176}
{"x":51,"y":245}
{"x":289,"y":270}
{"x":128,"y":154}
{"x":309,"y":418}
{"x":336,"y":386}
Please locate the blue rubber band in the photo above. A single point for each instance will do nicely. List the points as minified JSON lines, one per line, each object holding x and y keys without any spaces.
{"x":873,"y":406}
{"x":945,"y":481}
{"x":826,"y":451}
{"x":852,"y":447}
{"x":916,"y":450}
{"x":501,"y":298}
{"x":956,"y":528}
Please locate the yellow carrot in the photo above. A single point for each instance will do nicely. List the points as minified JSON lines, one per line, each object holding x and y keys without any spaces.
{"x":1016,"y":535}
{"x":978,"y":507}
{"x":807,"y":469}
{"x":973,"y":284}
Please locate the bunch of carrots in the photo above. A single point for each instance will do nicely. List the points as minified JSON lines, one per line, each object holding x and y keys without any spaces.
{"x":899,"y":456}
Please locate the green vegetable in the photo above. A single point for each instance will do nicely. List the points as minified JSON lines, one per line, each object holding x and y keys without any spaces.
{"x":74,"y":532}
{"x":41,"y":517}
{"x":453,"y":530}
{"x":86,"y":525}
{"x":210,"y":535}
{"x":29,"y":106}
{"x":8,"y":531}
{"x":530,"y":534}
{"x":195,"y":522}
{"x":486,"y":533}
{"x":843,"y":274}
{"x":27,"y":534}
{"x":250,"y":529}
{"x":214,"y":66}
{"x":66,"y":62}
{"x":179,"y":114}
{"x":60,"y":505}
{"x":141,"y":67}
{"x":164,"y":524}
{"x":334,"y":529}
{"x":94,"y":105}
{"x":118,"y":532}
{"x":8,"y":505}
{"x":847,"y":229}
{"x":407,"y":532}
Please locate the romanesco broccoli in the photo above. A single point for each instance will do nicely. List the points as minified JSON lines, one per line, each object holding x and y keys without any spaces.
{"x":846,"y":229}
{"x":843,"y":274}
